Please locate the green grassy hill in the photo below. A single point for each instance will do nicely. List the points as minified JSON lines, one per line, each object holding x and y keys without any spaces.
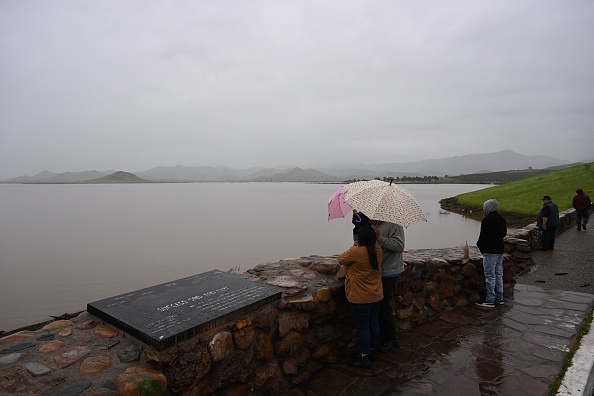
{"x":525,"y":196}
{"x":507,"y":176}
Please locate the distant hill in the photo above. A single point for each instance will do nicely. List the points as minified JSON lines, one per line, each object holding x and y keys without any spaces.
{"x":362,"y":173}
{"x":118,"y":177}
{"x":505,"y":160}
{"x":505,"y":176}
{"x":204,"y":173}
{"x":51,"y":177}
{"x":298,"y":175}
{"x":492,"y":162}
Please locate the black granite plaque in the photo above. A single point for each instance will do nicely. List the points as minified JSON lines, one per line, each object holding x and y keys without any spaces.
{"x":166,"y":314}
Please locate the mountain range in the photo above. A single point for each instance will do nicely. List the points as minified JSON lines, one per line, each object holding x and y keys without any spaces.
{"x":458,"y":165}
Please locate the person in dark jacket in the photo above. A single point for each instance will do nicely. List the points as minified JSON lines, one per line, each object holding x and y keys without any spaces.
{"x":490,"y":243}
{"x":359,"y":219}
{"x":547,"y":222}
{"x":581,"y":204}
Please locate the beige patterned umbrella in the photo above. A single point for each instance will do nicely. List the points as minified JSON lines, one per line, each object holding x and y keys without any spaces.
{"x":384,"y":201}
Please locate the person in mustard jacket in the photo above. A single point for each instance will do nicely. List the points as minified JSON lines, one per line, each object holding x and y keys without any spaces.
{"x":363,"y":287}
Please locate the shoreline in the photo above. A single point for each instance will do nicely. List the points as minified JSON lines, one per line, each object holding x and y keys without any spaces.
{"x":514,"y":220}
{"x":37,"y":326}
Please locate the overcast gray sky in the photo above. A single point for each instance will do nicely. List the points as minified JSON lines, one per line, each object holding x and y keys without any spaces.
{"x":130,"y":85}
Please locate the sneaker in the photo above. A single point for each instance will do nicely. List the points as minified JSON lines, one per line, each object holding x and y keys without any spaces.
{"x":360,"y":361}
{"x":499,"y":302}
{"x":579,"y":228}
{"x":486,"y":304}
{"x":584,"y":227}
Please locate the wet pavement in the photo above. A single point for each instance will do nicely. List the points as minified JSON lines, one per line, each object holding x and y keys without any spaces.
{"x":569,"y":267}
{"x":515,"y":349}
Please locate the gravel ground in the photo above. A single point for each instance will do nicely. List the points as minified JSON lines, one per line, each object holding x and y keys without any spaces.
{"x":569,"y":267}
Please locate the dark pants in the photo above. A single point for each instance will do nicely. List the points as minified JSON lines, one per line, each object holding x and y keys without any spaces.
{"x":582,"y":218}
{"x":547,"y":238}
{"x":365,"y":317}
{"x":387,"y":320}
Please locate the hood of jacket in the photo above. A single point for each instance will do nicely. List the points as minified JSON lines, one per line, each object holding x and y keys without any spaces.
{"x":490,"y":206}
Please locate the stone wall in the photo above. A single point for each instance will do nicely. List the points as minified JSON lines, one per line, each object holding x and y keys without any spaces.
{"x":282,"y":344}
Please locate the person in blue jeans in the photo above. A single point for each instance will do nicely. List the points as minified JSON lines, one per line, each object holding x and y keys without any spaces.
{"x":363,"y":288}
{"x":490,"y":243}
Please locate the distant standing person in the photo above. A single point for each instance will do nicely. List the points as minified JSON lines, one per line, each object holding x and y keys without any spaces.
{"x":359,"y":219}
{"x":390,"y":237}
{"x":547,"y":222}
{"x":363,"y":288}
{"x":581,"y":204}
{"x":490,"y":243}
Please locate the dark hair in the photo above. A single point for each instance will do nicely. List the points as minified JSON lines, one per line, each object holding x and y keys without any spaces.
{"x":367,"y":239}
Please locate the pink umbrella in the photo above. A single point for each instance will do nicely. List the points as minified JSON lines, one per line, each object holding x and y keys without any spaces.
{"x":337,"y":207}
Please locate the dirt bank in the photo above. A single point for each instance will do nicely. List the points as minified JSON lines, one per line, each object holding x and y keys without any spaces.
{"x":514,"y":220}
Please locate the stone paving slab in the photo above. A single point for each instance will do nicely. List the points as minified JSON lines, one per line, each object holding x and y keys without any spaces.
{"x":514,"y":349}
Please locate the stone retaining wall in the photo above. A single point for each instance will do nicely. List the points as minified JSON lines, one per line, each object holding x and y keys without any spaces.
{"x":282,"y":344}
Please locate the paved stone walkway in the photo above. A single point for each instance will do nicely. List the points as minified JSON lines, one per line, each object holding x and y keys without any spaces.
{"x":569,"y":267}
{"x":516,"y":349}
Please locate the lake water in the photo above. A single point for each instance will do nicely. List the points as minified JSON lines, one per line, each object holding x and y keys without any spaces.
{"x":62,"y":246}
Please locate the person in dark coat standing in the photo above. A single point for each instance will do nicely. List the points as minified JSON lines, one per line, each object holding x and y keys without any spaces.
{"x":547,"y":222}
{"x":490,"y":243}
{"x":581,"y":204}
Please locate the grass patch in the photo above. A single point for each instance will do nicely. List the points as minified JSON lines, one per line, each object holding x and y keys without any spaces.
{"x":525,"y":196}
{"x":554,"y":388}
